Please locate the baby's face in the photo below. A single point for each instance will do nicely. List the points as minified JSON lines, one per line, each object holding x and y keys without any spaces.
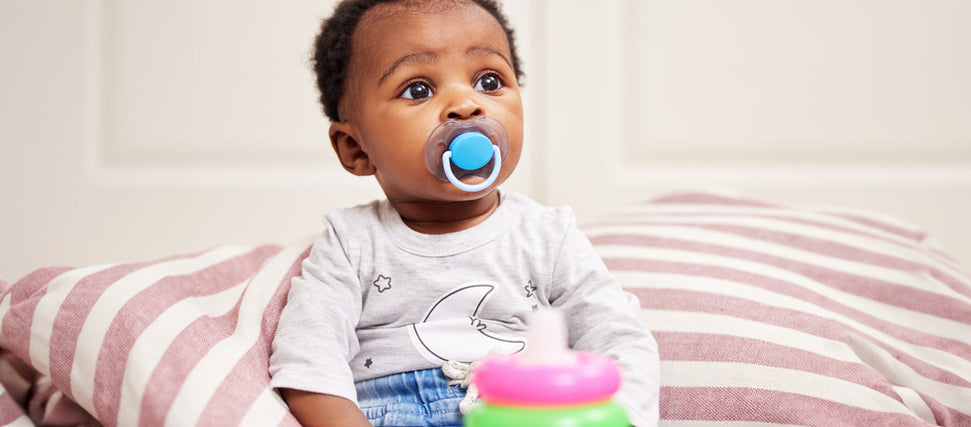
{"x":413,"y":68}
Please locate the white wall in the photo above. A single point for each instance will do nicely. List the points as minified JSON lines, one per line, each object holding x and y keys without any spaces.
{"x":859,"y":103}
{"x":137,"y":129}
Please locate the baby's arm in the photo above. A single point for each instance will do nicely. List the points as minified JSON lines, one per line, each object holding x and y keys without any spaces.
{"x":323,"y":410}
{"x":316,"y":338}
{"x":602,"y":319}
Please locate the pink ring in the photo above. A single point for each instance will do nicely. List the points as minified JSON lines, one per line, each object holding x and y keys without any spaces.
{"x":504,"y":380}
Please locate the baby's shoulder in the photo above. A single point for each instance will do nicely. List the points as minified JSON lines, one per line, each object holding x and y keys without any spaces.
{"x":346,"y":224}
{"x":534,"y":214}
{"x":355,"y":217}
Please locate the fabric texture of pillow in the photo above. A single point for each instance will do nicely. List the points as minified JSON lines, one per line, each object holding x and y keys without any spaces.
{"x":773,"y":314}
{"x":763,"y":314}
{"x":179,"y":341}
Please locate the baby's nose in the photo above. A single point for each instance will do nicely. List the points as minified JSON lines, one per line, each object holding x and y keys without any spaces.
{"x":463,"y":107}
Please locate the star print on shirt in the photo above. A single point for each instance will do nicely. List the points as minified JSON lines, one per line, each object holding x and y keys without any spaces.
{"x":529,"y":289}
{"x":382,"y":283}
{"x":367,"y":363}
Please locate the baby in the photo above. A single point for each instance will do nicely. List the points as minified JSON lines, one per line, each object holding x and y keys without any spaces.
{"x":447,"y":267}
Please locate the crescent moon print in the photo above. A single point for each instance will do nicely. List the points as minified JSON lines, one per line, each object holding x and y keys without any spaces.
{"x":450,"y":329}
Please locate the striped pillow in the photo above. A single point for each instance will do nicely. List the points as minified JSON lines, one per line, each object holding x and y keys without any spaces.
{"x":778,"y":315}
{"x":179,"y":341}
{"x":762,"y":313}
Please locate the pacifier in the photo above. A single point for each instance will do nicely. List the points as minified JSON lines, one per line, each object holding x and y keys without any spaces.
{"x":456,"y":150}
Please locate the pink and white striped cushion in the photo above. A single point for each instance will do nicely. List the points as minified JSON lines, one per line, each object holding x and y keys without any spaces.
{"x":179,"y":341}
{"x":763,"y":314}
{"x":778,"y":315}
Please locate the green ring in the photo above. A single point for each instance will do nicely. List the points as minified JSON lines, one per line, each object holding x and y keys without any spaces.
{"x":607,"y":414}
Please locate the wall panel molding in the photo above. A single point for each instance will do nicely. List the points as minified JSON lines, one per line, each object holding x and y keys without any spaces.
{"x":181,"y":94}
{"x":648,"y":97}
{"x":738,"y":104}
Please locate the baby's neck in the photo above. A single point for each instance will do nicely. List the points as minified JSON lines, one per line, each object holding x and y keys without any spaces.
{"x":446,"y":217}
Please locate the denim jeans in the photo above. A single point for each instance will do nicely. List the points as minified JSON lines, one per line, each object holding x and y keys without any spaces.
{"x":418,"y":398}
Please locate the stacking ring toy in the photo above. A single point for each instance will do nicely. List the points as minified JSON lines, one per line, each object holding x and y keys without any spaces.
{"x":506,"y":381}
{"x":608,"y":413}
{"x":547,"y":385}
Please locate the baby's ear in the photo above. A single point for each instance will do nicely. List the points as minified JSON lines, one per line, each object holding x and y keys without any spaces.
{"x":349,"y":151}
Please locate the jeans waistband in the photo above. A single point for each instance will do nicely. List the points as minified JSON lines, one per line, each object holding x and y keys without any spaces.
{"x":426,"y":386}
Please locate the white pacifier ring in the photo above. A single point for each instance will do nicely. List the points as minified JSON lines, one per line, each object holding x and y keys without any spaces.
{"x":447,"y":166}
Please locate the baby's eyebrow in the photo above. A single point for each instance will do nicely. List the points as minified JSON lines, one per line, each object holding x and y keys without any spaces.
{"x":485,"y":51}
{"x":424,"y":57}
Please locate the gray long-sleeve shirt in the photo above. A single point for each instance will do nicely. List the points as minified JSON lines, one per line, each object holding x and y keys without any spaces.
{"x":378,"y":298}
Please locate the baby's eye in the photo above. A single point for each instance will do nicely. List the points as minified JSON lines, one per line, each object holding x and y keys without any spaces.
{"x":417,"y":90}
{"x":488,"y":83}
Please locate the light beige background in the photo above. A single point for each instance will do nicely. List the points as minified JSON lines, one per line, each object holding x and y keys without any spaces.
{"x":137,"y":129}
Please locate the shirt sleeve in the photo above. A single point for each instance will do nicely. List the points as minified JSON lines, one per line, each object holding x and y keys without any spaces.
{"x":315,"y":338}
{"x":604,"y":319}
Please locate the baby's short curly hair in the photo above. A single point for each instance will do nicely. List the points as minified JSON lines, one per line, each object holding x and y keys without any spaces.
{"x":332,"y":48}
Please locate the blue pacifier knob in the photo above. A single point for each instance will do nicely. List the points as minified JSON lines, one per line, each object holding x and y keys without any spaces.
{"x":471,"y":150}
